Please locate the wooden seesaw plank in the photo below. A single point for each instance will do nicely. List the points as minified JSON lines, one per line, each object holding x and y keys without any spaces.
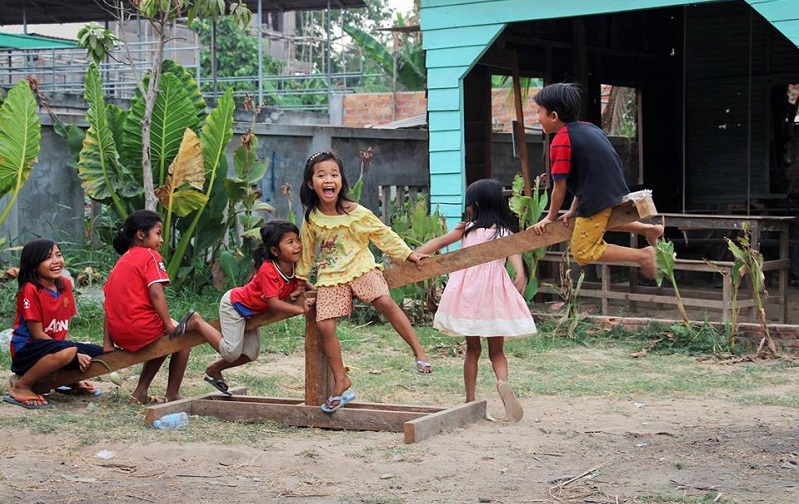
{"x":165,"y":345}
{"x":636,"y":206}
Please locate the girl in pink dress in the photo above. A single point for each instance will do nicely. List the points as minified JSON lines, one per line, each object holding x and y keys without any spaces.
{"x":483,"y":301}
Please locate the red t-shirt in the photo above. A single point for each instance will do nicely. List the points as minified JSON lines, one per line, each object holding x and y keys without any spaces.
{"x":267,"y":283}
{"x":132,"y":319}
{"x":52,"y":308}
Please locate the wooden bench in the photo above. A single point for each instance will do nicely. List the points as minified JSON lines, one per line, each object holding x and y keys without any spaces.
{"x":758,"y":226}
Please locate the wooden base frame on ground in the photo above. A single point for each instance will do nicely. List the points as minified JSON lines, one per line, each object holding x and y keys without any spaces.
{"x":417,"y":422}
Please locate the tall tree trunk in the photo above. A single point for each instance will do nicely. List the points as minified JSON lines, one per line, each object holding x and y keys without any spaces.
{"x":149,"y":104}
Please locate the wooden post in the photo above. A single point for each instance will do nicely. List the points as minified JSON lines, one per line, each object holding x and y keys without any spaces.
{"x":520,"y":134}
{"x":317,"y":372}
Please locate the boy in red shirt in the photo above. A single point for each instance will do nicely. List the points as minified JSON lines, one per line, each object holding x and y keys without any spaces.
{"x":584,"y":162}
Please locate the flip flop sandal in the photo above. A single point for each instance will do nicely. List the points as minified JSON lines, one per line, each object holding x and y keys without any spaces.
{"x":218,"y":383}
{"x":23,"y":404}
{"x":180,"y":329}
{"x":423,"y":367}
{"x":64,"y":389}
{"x":340,"y":400}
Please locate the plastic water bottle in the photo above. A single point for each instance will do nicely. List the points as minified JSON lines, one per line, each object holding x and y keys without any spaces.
{"x":172,"y":421}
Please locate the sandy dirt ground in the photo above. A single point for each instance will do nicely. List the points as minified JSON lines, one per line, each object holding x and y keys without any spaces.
{"x":565,"y":450}
{"x":588,"y":450}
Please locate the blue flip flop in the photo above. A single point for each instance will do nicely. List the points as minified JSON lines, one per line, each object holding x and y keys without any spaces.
{"x":180,"y":329}
{"x":11,"y":400}
{"x":64,"y":389}
{"x":341,"y":400}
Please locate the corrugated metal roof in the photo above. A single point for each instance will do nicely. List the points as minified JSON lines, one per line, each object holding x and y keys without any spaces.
{"x":783,"y":14}
{"x":19,"y":41}
{"x":17,"y":12}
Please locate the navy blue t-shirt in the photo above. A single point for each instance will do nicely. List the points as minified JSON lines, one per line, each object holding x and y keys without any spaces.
{"x":582,"y":154}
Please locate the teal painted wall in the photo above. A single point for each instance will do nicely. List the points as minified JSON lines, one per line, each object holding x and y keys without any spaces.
{"x":456,"y":33}
{"x":783,"y":14}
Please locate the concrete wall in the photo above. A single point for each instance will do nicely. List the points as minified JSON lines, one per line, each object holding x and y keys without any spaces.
{"x":51,"y":203}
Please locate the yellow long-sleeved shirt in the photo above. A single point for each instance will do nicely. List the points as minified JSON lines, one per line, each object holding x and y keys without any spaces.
{"x":343,"y":243}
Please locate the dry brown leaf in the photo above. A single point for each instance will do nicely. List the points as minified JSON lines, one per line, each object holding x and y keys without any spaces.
{"x":188,"y":168}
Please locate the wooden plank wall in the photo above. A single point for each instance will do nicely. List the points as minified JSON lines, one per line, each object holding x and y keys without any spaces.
{"x":455,"y":34}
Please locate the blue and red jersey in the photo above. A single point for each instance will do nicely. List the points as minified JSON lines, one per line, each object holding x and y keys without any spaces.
{"x":53,"y":309}
{"x":267,"y":283}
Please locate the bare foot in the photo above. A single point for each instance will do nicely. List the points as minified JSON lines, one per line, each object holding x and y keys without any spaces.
{"x":83,"y":387}
{"x":26,"y":396}
{"x":649,"y":267}
{"x":174,"y":398}
{"x":340,"y":388}
{"x":653,"y":232}
{"x":144,"y":401}
{"x":513,"y":409}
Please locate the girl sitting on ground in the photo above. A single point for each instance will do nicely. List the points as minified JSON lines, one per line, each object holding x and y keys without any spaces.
{"x":40,"y":344}
{"x":273,"y":283}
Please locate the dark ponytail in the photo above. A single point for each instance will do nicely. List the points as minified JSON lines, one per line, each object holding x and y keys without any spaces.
{"x":140,"y":220}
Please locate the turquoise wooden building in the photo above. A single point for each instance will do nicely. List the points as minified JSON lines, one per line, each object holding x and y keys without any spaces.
{"x":715,"y":123}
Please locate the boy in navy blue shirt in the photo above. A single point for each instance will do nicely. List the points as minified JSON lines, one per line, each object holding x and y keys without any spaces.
{"x":584,"y":162}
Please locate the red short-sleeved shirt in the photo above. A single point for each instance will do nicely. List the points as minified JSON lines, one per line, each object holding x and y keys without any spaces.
{"x":267,"y":283}
{"x":52,"y":308}
{"x":132,"y":319}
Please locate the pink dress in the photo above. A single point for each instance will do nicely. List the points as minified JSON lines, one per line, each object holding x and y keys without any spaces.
{"x":482,"y":301}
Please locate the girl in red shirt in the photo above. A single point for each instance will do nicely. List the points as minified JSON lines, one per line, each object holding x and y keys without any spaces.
{"x":272,"y":284}
{"x":39,"y":345}
{"x":136,"y":313}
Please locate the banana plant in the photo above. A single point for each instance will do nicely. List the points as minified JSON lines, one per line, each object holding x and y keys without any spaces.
{"x":20,"y":134}
{"x":217,"y":131}
{"x":529,"y":210}
{"x":749,"y":260}
{"x":411,"y":73}
{"x":188,"y":160}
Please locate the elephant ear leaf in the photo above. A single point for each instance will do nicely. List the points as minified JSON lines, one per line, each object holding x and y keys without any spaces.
{"x":172,"y":113}
{"x":189,"y":84}
{"x":20,"y":133}
{"x":186,"y":170}
{"x":102,"y":175}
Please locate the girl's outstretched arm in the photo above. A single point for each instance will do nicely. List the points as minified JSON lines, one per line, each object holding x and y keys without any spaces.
{"x":108,"y":345}
{"x":158,"y":299}
{"x":437,"y":244}
{"x":278,"y":305}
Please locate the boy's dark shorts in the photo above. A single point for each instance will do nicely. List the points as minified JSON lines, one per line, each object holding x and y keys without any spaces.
{"x":32,"y":352}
